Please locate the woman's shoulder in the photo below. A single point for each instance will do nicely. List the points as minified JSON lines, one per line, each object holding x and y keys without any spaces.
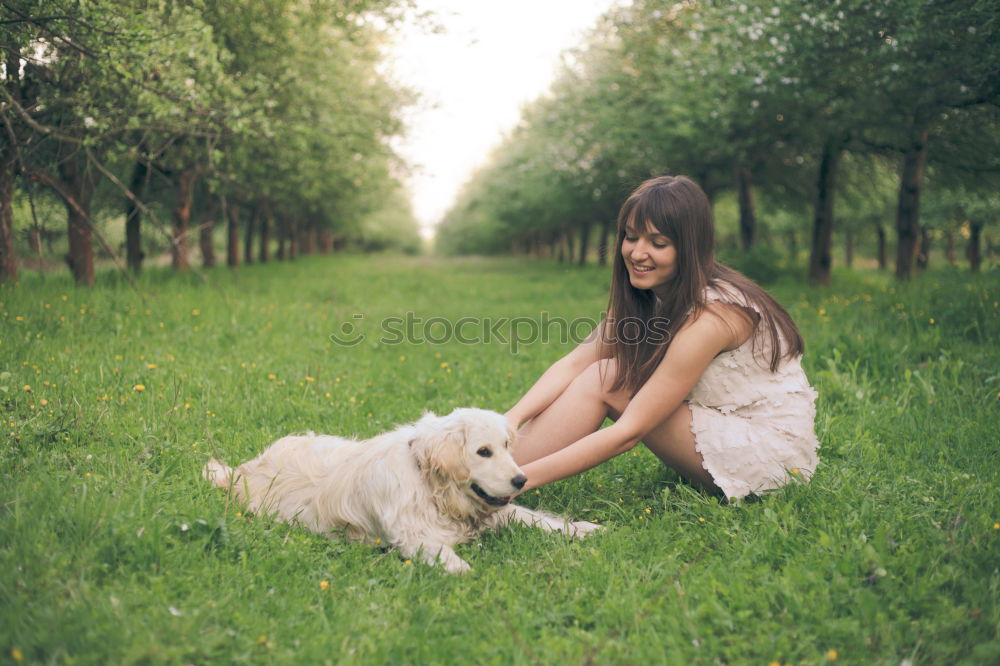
{"x":725,"y":293}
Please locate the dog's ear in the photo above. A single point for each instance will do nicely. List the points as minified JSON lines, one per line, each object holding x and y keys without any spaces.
{"x":441,"y":449}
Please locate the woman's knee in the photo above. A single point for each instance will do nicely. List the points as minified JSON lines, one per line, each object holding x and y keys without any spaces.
{"x":597,"y":380}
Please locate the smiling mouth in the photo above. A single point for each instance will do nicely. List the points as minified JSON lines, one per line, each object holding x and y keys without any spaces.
{"x":489,"y":499}
{"x":641,"y":269}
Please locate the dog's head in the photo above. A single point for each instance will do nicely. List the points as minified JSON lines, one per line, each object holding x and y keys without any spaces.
{"x":469,"y":452}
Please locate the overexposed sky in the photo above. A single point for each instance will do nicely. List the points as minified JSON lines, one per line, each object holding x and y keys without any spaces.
{"x":491,"y":57}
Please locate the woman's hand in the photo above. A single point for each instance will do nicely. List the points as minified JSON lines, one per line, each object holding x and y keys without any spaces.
{"x":513,"y":420}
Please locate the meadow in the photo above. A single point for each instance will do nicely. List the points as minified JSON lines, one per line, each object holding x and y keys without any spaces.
{"x":114,"y":551}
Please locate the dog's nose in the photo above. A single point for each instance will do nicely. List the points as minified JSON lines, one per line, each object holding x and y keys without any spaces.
{"x":519,"y":481}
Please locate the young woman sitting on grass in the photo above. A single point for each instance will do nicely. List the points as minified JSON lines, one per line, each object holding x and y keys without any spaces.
{"x":694,"y":359}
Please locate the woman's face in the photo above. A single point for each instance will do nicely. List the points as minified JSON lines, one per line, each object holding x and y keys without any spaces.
{"x":650,"y":257}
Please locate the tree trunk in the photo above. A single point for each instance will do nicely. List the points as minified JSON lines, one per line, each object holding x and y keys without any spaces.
{"x":293,"y":231}
{"x":78,"y":191}
{"x":848,"y":248}
{"x":283,"y":225}
{"x":923,"y":256}
{"x":184,"y":184}
{"x":133,"y":218}
{"x":949,"y":246}
{"x":606,"y":244}
{"x":266,"y":222}
{"x":307,"y":238}
{"x":748,"y":215}
{"x":584,"y":243}
{"x":908,"y":209}
{"x":205,"y":234}
{"x":8,"y":163}
{"x":881,"y":250}
{"x":324,"y":240}
{"x":233,"y":233}
{"x":972,"y":250}
{"x":793,"y":244}
{"x":248,"y":234}
{"x":820,"y":259}
{"x":8,"y":263}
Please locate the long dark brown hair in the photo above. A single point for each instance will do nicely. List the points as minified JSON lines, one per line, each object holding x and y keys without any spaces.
{"x":677,"y":208}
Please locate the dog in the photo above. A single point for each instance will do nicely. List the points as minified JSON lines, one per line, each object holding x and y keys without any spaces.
{"x":422,"y":488}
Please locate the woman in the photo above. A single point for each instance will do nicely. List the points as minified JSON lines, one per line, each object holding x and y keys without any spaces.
{"x":693,"y":359}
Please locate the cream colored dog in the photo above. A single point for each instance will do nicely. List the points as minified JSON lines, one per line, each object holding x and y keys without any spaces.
{"x":422,"y":488}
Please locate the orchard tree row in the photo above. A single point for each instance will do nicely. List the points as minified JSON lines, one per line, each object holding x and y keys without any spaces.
{"x":800,"y":117}
{"x":271,"y":117}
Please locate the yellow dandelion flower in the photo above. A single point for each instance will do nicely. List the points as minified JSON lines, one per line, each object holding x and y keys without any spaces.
{"x":44,"y":402}
{"x":831,"y":655}
{"x":774,"y":663}
{"x":151,"y":366}
{"x":407,"y":563}
{"x":261,"y":639}
{"x":445,"y":364}
{"x":377,"y":541}
{"x":932,"y":320}
{"x":272,"y":376}
{"x":16,"y":654}
{"x":139,"y":388}
{"x":795,"y":470}
{"x":701,"y":519}
{"x":402,"y":358}
{"x":353,"y":399}
{"x":27,"y":387}
{"x":437,"y":355}
{"x":310,"y":379}
{"x":323,"y":584}
{"x":327,"y":395}
{"x":996,"y":526}
{"x":196,"y":312}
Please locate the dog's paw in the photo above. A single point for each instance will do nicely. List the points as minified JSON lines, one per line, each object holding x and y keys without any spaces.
{"x":581,"y":528}
{"x":456,"y":565}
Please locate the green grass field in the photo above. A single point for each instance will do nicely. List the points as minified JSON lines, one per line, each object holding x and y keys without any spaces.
{"x":114,"y":551}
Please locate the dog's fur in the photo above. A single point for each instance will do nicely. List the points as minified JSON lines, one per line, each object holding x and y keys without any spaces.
{"x":422,"y":488}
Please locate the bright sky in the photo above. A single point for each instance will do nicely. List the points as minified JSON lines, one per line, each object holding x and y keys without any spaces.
{"x":473,"y":78}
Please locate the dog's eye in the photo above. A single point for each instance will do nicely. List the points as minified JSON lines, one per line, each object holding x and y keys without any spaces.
{"x":484,"y":452}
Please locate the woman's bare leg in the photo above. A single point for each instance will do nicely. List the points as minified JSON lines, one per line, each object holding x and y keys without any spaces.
{"x":582,"y":408}
{"x":577,"y":412}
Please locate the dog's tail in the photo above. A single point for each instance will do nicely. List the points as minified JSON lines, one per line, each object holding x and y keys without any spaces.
{"x":218,"y":474}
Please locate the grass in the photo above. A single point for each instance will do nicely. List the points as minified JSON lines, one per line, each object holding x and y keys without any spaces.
{"x":113,"y":550}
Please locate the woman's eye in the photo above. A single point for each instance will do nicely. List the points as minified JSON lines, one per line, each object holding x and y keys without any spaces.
{"x":484,"y":452}
{"x":659,"y":246}
{"x":630,"y":239}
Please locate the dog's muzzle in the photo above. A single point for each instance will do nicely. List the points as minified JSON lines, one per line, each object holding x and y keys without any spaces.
{"x":490,"y":499}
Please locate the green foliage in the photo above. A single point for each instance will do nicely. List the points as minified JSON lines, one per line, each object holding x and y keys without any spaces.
{"x":108,"y":534}
{"x":275,"y":103}
{"x":709,"y":88}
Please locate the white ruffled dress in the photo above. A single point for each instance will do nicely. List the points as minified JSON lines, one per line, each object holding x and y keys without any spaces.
{"x":754,"y":428}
